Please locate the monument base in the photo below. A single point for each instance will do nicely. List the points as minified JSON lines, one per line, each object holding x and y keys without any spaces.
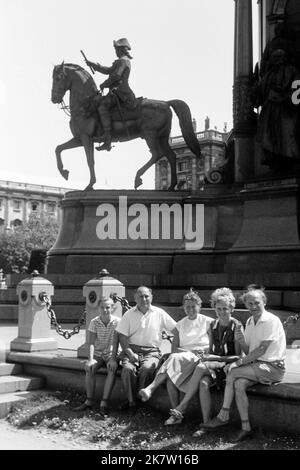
{"x":253,"y":227}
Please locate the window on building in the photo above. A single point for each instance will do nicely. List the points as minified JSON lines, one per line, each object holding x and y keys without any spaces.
{"x":51,"y":207}
{"x":1,"y":225}
{"x":34,"y":206}
{"x":182,"y":166}
{"x":1,"y":204}
{"x":16,"y":205}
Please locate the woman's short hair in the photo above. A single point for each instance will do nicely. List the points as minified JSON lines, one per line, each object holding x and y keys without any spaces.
{"x":192,"y":295}
{"x":255,"y":288}
{"x":223,"y":293}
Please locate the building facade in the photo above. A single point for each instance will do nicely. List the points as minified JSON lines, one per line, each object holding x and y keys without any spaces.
{"x":19,"y":200}
{"x":190,"y":171}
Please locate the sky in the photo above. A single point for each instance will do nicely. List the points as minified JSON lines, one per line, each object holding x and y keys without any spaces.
{"x":181,"y":50}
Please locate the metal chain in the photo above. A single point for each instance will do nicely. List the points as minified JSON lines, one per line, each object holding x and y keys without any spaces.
{"x":66,"y":334}
{"x":123,"y":301}
{"x":291,"y":319}
{"x":165,"y":335}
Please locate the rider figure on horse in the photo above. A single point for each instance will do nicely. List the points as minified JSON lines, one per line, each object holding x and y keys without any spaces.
{"x":120,"y":93}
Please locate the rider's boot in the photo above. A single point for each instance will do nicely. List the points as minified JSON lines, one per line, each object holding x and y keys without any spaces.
{"x":106,"y":123}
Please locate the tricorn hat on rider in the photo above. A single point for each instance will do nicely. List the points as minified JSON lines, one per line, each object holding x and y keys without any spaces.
{"x":123,"y":42}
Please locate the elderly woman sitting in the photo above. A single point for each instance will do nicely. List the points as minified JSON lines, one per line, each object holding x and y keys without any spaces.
{"x":190,"y":342}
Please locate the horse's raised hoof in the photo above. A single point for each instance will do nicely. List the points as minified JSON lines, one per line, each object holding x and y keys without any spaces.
{"x":137,"y":182}
{"x":65,"y":174}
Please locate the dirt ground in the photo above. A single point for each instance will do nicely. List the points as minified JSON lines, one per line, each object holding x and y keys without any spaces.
{"x":47,"y":422}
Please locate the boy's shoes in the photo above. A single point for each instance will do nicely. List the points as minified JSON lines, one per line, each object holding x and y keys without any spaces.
{"x":83,"y":407}
{"x":103,"y":411}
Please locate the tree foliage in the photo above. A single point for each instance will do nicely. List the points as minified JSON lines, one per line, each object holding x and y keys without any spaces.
{"x":16,"y":246}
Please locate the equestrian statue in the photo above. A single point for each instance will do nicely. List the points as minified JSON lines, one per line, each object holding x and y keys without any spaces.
{"x":117,"y":116}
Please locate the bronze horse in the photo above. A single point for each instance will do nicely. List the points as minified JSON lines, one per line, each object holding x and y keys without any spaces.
{"x":152,"y":123}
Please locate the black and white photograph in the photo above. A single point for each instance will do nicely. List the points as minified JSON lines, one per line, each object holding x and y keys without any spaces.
{"x":150,"y":228}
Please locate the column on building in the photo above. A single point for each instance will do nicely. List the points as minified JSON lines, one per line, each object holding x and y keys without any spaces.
{"x":25,"y":211}
{"x":6,"y":211}
{"x":265,"y":8}
{"x":243,"y":114}
{"x":194,"y":173}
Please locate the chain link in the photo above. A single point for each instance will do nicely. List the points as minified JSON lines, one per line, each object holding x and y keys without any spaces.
{"x":123,"y":301}
{"x":291,"y":319}
{"x":66,"y":334}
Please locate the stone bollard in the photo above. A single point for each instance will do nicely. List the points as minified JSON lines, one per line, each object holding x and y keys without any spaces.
{"x":93,"y":290}
{"x":34,"y":327}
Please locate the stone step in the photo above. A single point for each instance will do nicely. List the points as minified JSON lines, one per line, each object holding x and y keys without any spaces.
{"x":7,"y":400}
{"x":10,"y":369}
{"x":19,"y":383}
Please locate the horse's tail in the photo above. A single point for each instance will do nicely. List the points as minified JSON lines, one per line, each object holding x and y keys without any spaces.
{"x":185,"y":121}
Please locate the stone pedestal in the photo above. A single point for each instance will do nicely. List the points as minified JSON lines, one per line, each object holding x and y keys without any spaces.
{"x":129,"y":231}
{"x":250,"y":227}
{"x":34,"y":328}
{"x":93,"y":290}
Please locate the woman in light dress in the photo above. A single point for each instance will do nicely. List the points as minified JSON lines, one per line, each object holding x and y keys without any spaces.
{"x":189,"y":344}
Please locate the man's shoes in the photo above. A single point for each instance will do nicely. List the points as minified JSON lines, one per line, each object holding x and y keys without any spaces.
{"x":127,"y":406}
{"x":214,"y":423}
{"x":242,"y":436}
{"x":83,"y":407}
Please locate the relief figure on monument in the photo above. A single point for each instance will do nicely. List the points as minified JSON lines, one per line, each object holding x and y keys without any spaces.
{"x":278,"y":120}
{"x":117,"y":116}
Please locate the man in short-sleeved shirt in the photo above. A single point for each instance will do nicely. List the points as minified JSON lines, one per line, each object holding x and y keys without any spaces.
{"x":267,"y":328}
{"x":264,"y":344}
{"x":140,"y":334}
